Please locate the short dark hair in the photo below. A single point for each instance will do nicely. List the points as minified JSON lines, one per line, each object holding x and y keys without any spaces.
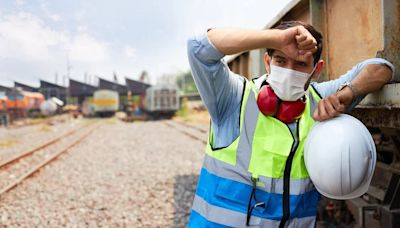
{"x":315,"y":33}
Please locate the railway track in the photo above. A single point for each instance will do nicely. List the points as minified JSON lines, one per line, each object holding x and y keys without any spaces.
{"x":189,"y":130}
{"x":14,"y":170}
{"x":202,"y":130}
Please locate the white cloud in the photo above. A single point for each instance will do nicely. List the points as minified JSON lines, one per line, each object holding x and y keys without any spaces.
{"x":130,"y":52}
{"x":46,"y":11}
{"x":82,"y":28}
{"x":55,"y":17}
{"x":85,"y":48}
{"x":20,"y":2}
{"x":23,"y":36}
{"x":30,"y":49}
{"x":79,"y":15}
{"x":36,"y":43}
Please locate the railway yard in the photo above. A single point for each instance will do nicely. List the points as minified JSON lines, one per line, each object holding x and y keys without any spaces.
{"x":99,"y":173}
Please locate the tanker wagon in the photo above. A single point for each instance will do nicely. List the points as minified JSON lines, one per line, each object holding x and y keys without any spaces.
{"x":106,"y":102}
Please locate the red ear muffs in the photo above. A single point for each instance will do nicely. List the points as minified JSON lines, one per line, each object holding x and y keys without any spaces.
{"x":267,"y":101}
{"x":270,"y":105}
{"x":290,"y":111}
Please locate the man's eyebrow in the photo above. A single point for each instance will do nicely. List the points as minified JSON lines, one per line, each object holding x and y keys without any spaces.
{"x":279,"y":57}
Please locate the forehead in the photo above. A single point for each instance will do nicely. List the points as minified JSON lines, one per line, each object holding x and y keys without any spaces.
{"x":278,"y":53}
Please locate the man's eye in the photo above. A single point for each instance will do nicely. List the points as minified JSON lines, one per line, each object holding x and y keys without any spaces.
{"x":280,"y":61}
{"x":302,"y":64}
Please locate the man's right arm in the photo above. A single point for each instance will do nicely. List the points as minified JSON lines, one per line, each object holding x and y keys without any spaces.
{"x":219,"y":88}
{"x":296,"y":42}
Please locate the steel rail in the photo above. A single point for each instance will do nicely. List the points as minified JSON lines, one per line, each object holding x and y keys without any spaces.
{"x":191,"y":126}
{"x":185,"y":132}
{"x":42,"y":146}
{"x":45,"y":162}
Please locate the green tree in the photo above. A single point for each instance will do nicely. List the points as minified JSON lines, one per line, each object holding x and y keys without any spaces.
{"x":186,"y":83}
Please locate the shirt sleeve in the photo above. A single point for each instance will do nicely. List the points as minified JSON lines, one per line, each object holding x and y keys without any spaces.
{"x":219,"y":88}
{"x":328,"y":88}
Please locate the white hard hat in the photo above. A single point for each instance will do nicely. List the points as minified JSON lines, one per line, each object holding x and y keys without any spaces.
{"x":340,"y":157}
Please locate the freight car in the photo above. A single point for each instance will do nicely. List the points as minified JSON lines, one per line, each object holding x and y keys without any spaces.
{"x":353,"y":31}
{"x":22,"y":104}
{"x":161,"y":101}
{"x":106,"y":102}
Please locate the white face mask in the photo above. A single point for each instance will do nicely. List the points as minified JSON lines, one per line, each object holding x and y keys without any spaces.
{"x":287,"y":84}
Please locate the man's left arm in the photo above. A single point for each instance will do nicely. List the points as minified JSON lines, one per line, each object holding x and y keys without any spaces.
{"x":366,"y":77}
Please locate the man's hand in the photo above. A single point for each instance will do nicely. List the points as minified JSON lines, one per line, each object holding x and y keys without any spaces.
{"x":297,"y":43}
{"x":333,"y":105}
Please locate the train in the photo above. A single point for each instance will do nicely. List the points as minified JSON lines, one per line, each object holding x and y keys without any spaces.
{"x":104,"y":103}
{"x":161,"y":101}
{"x":3,"y":109}
{"x":22,"y":104}
{"x":3,"y":102}
{"x":17,"y":104}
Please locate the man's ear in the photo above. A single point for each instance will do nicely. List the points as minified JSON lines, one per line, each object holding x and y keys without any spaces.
{"x":317,"y":72}
{"x":318,"y":69}
{"x":267,"y":62}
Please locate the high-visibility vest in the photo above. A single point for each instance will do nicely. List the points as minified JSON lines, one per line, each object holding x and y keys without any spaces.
{"x":260,"y":179}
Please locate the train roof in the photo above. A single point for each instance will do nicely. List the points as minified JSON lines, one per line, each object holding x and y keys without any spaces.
{"x":46,"y":84}
{"x":77,"y":88}
{"x":136,"y":87}
{"x":105,"y":84}
{"x":26,"y":87}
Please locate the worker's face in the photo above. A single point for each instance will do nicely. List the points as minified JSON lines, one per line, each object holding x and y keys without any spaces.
{"x":278,"y":58}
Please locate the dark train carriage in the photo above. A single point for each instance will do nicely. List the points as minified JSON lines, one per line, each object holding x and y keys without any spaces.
{"x":50,"y":90}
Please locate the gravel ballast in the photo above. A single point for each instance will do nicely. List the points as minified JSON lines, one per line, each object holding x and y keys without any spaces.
{"x":140,"y":174}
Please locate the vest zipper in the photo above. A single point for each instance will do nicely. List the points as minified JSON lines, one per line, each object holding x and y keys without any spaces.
{"x":286,"y":176}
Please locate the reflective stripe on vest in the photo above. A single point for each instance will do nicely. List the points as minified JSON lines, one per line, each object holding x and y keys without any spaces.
{"x":234,"y":196}
{"x":225,"y":180}
{"x":271,"y":185}
{"x":216,"y":216}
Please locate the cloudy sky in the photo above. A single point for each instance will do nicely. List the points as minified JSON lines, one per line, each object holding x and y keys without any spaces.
{"x":99,"y":37}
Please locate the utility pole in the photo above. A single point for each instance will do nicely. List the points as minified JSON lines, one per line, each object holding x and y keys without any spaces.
{"x":56,"y":78}
{"x":69,"y":67}
{"x":68,"y":76}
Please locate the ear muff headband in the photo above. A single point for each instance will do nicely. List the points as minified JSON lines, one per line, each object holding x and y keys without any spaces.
{"x":271,"y":105}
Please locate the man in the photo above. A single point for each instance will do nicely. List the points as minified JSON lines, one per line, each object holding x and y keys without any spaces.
{"x":254,"y":173}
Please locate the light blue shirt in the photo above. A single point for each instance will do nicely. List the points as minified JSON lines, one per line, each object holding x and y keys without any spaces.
{"x":221,"y":89}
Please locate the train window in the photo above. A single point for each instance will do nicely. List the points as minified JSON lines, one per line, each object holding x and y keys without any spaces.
{"x":173,"y":100}
{"x":155,"y":98}
{"x":163,"y":102}
{"x":168,"y":102}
